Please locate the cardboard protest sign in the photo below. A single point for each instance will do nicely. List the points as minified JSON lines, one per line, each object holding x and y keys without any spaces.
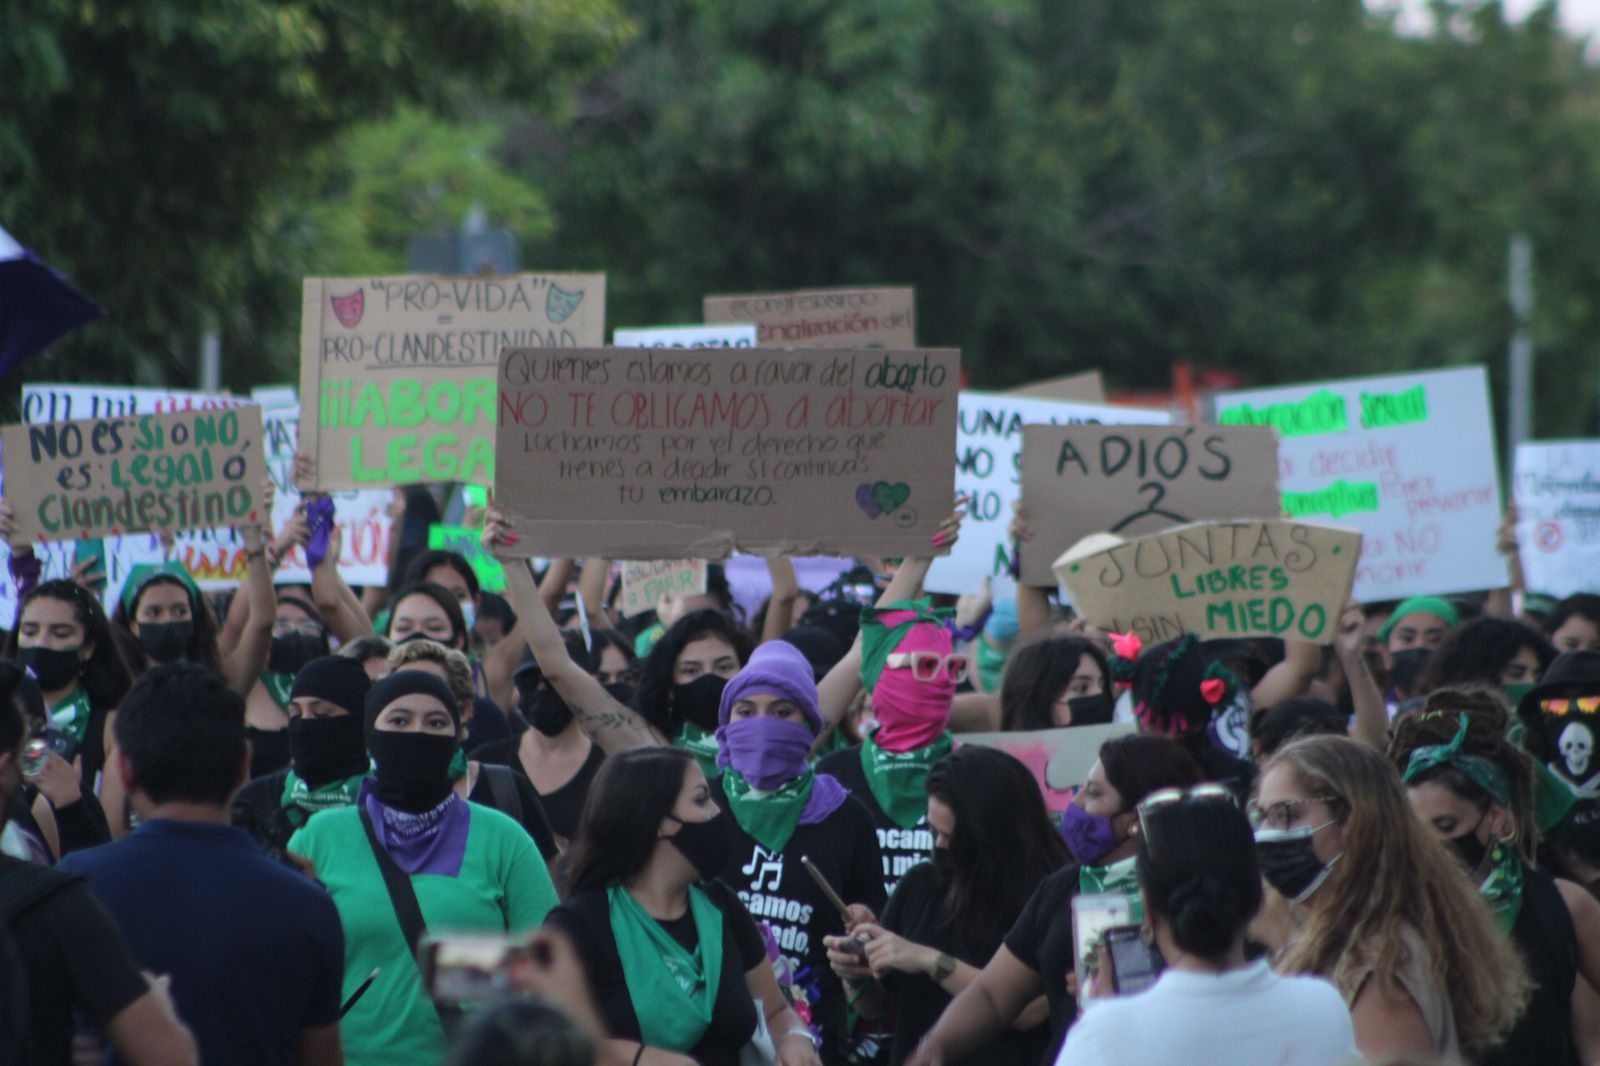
{"x":729,"y":336}
{"x":362,"y":515}
{"x":1132,"y":480}
{"x":1088,"y":387}
{"x":823,"y":318}
{"x":400,"y":370}
{"x":1271,"y":578}
{"x":468,"y":543}
{"x":96,"y":477}
{"x":643,"y":453}
{"x":646,"y":584}
{"x":1059,"y":758}
{"x":1556,"y":485}
{"x":989,"y":474}
{"x":1408,"y":459}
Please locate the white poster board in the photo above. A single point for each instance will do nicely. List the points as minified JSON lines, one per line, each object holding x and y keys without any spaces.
{"x":1557,"y":489}
{"x":989,"y":472}
{"x":1407,"y":459}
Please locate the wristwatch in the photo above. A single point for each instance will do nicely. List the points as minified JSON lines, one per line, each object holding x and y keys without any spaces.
{"x":943,"y":967}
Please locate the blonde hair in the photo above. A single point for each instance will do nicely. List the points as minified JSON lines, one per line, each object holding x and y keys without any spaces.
{"x":1394,"y":873}
{"x":457,"y":667}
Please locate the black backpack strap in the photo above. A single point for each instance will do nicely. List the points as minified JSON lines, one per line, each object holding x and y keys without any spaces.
{"x":401,"y":894}
{"x":503,"y":787}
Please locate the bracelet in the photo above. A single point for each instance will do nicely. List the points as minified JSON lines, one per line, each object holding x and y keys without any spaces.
{"x":258,"y":553}
{"x":800,"y":1030}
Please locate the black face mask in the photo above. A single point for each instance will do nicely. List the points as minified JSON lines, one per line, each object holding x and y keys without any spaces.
{"x":327,"y":749}
{"x":166,"y":642}
{"x":1406,"y":668}
{"x":1469,"y":849}
{"x":700,"y":700}
{"x":1289,"y":862}
{"x":546,"y":711}
{"x":1091,"y":710}
{"x":623,"y":692}
{"x":52,"y":668}
{"x":290,"y":653}
{"x":413,"y":769}
{"x":707,"y":845}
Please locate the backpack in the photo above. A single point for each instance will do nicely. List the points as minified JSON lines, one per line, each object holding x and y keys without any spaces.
{"x":21,"y":887}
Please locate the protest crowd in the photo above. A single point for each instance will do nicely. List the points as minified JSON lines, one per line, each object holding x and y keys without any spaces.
{"x":1049,"y":769}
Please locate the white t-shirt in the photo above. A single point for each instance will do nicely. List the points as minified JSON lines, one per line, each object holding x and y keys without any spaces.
{"x":1247,"y":1017}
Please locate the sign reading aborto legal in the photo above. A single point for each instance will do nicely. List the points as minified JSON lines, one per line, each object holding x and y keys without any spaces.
{"x":643,"y":453}
{"x":400,"y":370}
{"x":1272,"y":578}
{"x":823,"y":318}
{"x":99,"y":477}
{"x":1132,"y":480}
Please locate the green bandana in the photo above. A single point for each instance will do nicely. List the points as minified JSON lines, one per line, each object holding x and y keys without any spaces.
{"x":703,"y":746}
{"x":770,"y":817}
{"x":672,"y":991}
{"x":1553,"y":798}
{"x":991,"y":664}
{"x":899,"y":780}
{"x":458,"y":764}
{"x":1441,"y":609}
{"x":300,"y":801}
{"x":278,"y":686}
{"x":1502,"y":885}
{"x":144,"y":573}
{"x":1120,"y":878}
{"x":1484,"y":773}
{"x":878,"y":641}
{"x":71,"y":715}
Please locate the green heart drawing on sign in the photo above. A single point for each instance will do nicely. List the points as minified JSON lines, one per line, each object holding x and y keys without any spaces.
{"x":889,"y":498}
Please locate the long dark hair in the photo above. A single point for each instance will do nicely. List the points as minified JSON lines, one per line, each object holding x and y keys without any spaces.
{"x":1138,"y":764}
{"x":202,"y":649}
{"x":656,"y":674}
{"x":106,"y":677}
{"x":622,"y":815}
{"x":1478,"y":651}
{"x":447,"y":603}
{"x":1003,"y":846}
{"x":1037,"y":674}
{"x":1197,"y":864}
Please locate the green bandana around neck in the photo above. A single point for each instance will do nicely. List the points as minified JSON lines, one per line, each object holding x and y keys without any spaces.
{"x":1120,"y":878}
{"x":770,"y":817}
{"x":899,"y":780}
{"x":673,"y":991}
{"x":1484,"y":773}
{"x":458,"y":764}
{"x":703,"y":746}
{"x":991,"y":664}
{"x":1501,"y":887}
{"x":71,"y":715}
{"x":278,"y":687}
{"x":300,"y":801}
{"x":879,"y":640}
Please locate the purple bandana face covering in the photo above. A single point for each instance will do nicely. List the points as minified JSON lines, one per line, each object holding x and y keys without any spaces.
{"x":432,"y":842}
{"x":767,"y":752}
{"x":1090,"y":837}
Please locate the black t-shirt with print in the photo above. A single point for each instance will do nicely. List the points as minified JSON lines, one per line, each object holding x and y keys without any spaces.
{"x":916,"y":912}
{"x":1041,"y":939}
{"x":776,"y":889}
{"x":586,"y":919}
{"x":901,"y":849}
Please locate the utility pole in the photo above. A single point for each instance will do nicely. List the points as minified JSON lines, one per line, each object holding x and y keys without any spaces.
{"x":1519,"y":282}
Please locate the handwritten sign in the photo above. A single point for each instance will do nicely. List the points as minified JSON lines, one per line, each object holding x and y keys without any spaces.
{"x":1408,"y":459}
{"x":989,"y":474}
{"x":1060,"y":759}
{"x":468,"y":543}
{"x":1131,"y":480}
{"x":730,"y":336}
{"x":647,"y":453}
{"x":823,"y":318}
{"x":1223,"y":579}
{"x":1557,"y":489}
{"x":100,"y":477}
{"x":400,"y":370}
{"x":646,"y":584}
{"x":1087,"y":387}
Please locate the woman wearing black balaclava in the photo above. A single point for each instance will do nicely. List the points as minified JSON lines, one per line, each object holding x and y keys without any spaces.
{"x":470,"y":868}
{"x":298,"y":637}
{"x":327,"y":753}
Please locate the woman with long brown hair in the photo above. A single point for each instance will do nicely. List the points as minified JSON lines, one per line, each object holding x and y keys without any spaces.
{"x":1379,"y":907}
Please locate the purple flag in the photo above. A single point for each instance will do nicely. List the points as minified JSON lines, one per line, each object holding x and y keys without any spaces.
{"x":37,"y":305}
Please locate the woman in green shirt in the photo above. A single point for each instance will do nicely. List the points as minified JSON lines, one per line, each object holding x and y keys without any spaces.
{"x":472,"y":869}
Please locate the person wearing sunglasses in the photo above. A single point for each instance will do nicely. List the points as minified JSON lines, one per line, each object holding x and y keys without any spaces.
{"x":1476,"y":790}
{"x":994,"y":845}
{"x":1213,"y":1005}
{"x":1380,"y":907}
{"x":1037,"y":956}
{"x":1560,"y":718}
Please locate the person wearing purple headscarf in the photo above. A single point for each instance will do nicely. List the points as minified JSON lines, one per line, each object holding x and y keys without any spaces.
{"x":783,"y":812}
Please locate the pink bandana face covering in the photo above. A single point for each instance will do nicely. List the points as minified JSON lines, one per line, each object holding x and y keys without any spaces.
{"x":913,"y":714}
